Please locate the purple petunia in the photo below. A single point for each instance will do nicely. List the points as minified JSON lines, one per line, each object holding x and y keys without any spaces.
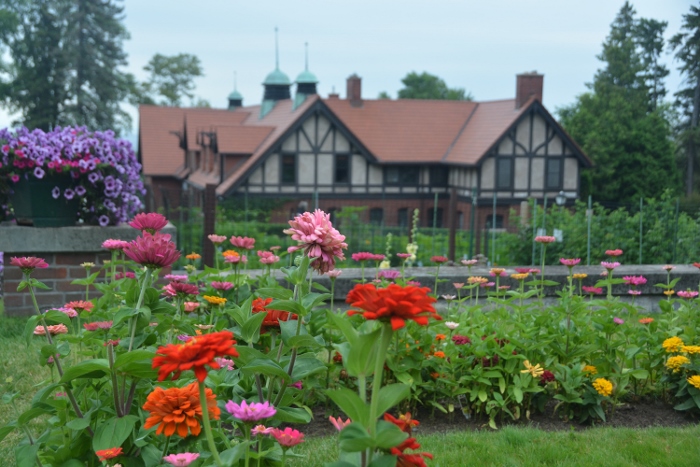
{"x":80,"y":190}
{"x":69,"y":193}
{"x":39,"y":172}
{"x":104,"y":220}
{"x":56,"y":192}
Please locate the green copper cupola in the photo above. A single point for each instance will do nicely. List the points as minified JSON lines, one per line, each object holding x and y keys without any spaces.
{"x":306,"y":82}
{"x":235,"y":99}
{"x":276,"y":85}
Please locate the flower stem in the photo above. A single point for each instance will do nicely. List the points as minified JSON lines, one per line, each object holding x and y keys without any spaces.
{"x":384,"y":341}
{"x":207,"y":425}
{"x":134,"y":319}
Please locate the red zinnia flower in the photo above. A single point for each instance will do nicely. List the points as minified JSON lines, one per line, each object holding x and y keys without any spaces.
{"x":404,"y":422}
{"x":410,"y":460}
{"x":179,"y":410}
{"x":194,"y":355}
{"x":439,"y":259}
{"x":110,"y":453}
{"x":150,"y":222}
{"x":273,"y":317}
{"x":152,"y":250}
{"x":28,"y":263}
{"x":394,"y":303}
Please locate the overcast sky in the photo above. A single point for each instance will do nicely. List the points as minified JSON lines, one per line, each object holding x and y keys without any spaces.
{"x":472,"y":44}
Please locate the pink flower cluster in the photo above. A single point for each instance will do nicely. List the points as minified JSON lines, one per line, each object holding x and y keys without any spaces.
{"x":268,"y":257}
{"x":181,"y":460}
{"x":250,"y":412}
{"x":152,"y":250}
{"x":635,"y":280}
{"x":389,"y":274}
{"x":687,"y":294}
{"x":592,"y":290}
{"x":439,"y":259}
{"x":112,"y":244}
{"x":609,"y":265}
{"x":180,"y":289}
{"x":318,"y":239}
{"x":217,"y":239}
{"x":222,"y":286}
{"x":28,"y":263}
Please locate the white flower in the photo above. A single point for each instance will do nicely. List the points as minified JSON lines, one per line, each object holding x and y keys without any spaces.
{"x":385,"y":264}
{"x":451,"y":325}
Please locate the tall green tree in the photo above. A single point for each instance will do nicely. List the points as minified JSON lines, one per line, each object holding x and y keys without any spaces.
{"x":687,"y":46}
{"x":427,"y":86}
{"x":171,"y":79}
{"x":619,"y":125}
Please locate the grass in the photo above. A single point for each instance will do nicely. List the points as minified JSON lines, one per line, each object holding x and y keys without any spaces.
{"x":20,"y":373}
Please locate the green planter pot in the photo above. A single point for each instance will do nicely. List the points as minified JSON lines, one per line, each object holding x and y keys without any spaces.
{"x":34,"y":205}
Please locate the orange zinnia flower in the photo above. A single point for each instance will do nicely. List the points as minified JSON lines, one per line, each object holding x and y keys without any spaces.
{"x":194,"y":355}
{"x":404,"y":422}
{"x":110,"y":453}
{"x":228,"y":253}
{"x":178,"y":410}
{"x":394,"y":303}
{"x":193,"y":256}
{"x":80,"y":305}
{"x":440,"y":337}
{"x":273,"y":318}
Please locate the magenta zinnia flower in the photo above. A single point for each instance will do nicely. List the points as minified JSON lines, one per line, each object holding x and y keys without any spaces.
{"x":318,"y":238}
{"x":250,"y":412}
{"x":402,"y":255}
{"x":635,"y":280}
{"x":634,"y":292}
{"x":181,"y":460}
{"x":592,"y":290}
{"x":28,"y":263}
{"x":545,"y":239}
{"x":268,"y":257}
{"x":152,"y":250}
{"x":288,"y":437}
{"x":112,"y":244}
{"x":222,"y":286}
{"x":570,"y":262}
{"x":181,"y":289}
{"x":617,"y":320}
{"x":151,"y":222}
{"x":687,"y":294}
{"x":363,"y":256}
{"x":176,"y":277}
{"x":439,"y":259}
{"x":94,"y":326}
{"x":389,"y":274}
{"x":245,"y":243}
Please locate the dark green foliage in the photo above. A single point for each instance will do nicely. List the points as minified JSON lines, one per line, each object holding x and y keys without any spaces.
{"x":427,"y":86}
{"x":618,"y":122}
{"x":171,"y":78}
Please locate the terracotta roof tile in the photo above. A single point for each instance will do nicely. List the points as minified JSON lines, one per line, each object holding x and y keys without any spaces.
{"x":157,"y":143}
{"x":242,"y":139}
{"x":198,"y":120}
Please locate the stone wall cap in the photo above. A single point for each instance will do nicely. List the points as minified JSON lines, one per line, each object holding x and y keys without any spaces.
{"x":84,"y":238}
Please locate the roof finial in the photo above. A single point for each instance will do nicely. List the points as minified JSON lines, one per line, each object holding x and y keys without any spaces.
{"x":306,"y":46}
{"x":277,"y":51}
{"x":235,"y":82}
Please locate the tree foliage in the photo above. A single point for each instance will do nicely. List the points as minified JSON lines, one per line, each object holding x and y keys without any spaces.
{"x":66,"y":59}
{"x":618,"y":123}
{"x":171,"y":78}
{"x":427,"y":86}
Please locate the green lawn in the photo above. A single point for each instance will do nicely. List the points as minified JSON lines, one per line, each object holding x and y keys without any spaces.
{"x":20,"y":373}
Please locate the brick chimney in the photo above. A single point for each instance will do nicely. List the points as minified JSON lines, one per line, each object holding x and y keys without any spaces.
{"x":354,"y":90}
{"x":528,"y":85}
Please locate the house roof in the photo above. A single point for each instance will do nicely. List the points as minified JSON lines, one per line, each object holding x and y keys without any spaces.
{"x":241,"y":139}
{"x":157,"y":140}
{"x":198,"y":120}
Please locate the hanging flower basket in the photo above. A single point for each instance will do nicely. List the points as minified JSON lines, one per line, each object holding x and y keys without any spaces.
{"x":41,"y":202}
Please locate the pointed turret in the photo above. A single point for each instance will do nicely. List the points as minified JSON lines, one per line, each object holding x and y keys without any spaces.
{"x":235,"y":99}
{"x":276,"y":85}
{"x":306,"y":82}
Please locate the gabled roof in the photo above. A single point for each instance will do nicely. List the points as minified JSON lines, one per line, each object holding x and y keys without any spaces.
{"x":197,"y":120}
{"x":157,"y":140}
{"x":241,"y":139}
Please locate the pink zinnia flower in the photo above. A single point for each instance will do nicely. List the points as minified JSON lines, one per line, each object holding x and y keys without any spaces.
{"x":534,"y":271}
{"x":635,"y":280}
{"x":570,"y":262}
{"x":318,"y":238}
{"x":222,"y":286}
{"x":245,"y":243}
{"x":191,"y":306}
{"x":338,"y":423}
{"x":687,"y":294}
{"x":389,"y":274}
{"x":275,"y":248}
{"x":668,"y":268}
{"x":243,"y":259}
{"x":298,"y":385}
{"x":413,"y":283}
{"x":268,"y":257}
{"x":128,"y":275}
{"x":617,"y":252}
{"x":181,"y":460}
{"x":261,"y":430}
{"x":402,"y":255}
{"x":488,"y":285}
{"x":152,"y":250}
{"x":592,"y":290}
{"x":458,"y":285}
{"x":609,"y":265}
{"x":80,"y":305}
{"x":439,"y":259}
{"x":288,"y":437}
{"x":70,"y":312}
{"x":150,"y":222}
{"x":53,"y":330}
{"x":176,"y":277}
{"x":112,"y":244}
{"x":250,"y":412}
{"x":226,"y":363}
{"x":94,"y":326}
{"x":28,"y":263}
{"x":217,"y":239}
{"x":545,"y":239}
{"x":468,"y":262}
{"x":634,"y":292}
{"x":523,"y":270}
{"x":180,"y":289}
{"x":617,"y":320}
{"x":363,"y":256}
{"x":451,"y":325}
{"x":334,"y":273}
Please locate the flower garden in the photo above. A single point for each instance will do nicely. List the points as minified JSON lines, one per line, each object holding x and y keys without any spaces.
{"x":217,"y":367}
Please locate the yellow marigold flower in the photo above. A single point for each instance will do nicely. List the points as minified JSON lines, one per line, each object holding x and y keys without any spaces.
{"x":580,"y":275}
{"x":675,"y":363}
{"x":439,"y":354}
{"x":228,"y":253}
{"x":519,"y":276}
{"x":440,"y":337}
{"x":668,"y":293}
{"x":695,"y":381}
{"x":673,"y":344}
{"x":193,"y":256}
{"x":214,"y":300}
{"x":536,"y":371}
{"x":691,"y":349}
{"x":477,"y":280}
{"x":590,"y":369}
{"x":87,"y":265}
{"x":603,"y":386}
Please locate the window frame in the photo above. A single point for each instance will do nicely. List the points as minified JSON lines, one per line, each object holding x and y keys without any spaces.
{"x":511,"y":181}
{"x":441,"y":171}
{"x":347,"y":169}
{"x":560,"y":181}
{"x":402,"y":175}
{"x":284,"y":181}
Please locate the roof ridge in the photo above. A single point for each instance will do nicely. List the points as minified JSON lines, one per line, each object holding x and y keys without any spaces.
{"x":459,"y":133}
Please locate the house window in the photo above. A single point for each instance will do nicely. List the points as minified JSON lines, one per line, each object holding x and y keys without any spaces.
{"x":498,"y":224}
{"x":553,"y":175}
{"x":342,"y":168}
{"x":376,"y":216}
{"x":432,"y":218}
{"x":402,"y":218}
{"x":439,"y":176}
{"x":504,"y":173}
{"x":289,"y":169}
{"x":402,"y":175}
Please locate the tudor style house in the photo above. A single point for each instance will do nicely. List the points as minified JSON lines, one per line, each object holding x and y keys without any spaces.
{"x":391,"y":156}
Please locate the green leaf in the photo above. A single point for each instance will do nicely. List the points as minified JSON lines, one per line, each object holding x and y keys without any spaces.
{"x":133,"y":356}
{"x":29,"y":328}
{"x":30,"y":414}
{"x":78,"y":424}
{"x":95,"y":368}
{"x":287,"y":305}
{"x":304,"y":340}
{"x":351,"y":404}
{"x":363,"y":354}
{"x":123,"y":314}
{"x":389,"y":435}
{"x":307,"y":365}
{"x":482,"y":395}
{"x":312,"y":300}
{"x":383,"y":461}
{"x":113,"y":432}
{"x":56,"y":316}
{"x":390,"y":395}
{"x":688,"y":404}
{"x":344,"y":325}
{"x":250,"y":330}
{"x":266,"y":367}
{"x":234,"y":455}
{"x":7,"y":429}
{"x":275,"y":292}
{"x":518,"y":393}
{"x":292,"y":415}
{"x":25,"y":455}
{"x":639,"y":373}
{"x":355,"y":438}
